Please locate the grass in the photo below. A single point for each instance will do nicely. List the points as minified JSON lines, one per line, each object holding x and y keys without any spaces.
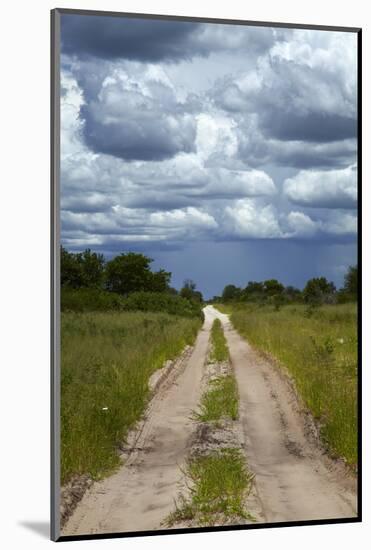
{"x":219,"y":486}
{"x":319,"y":348}
{"x":107,"y":359}
{"x":221,"y":398}
{"x":220,"y":350}
{"x":219,"y":401}
{"x":218,"y":481}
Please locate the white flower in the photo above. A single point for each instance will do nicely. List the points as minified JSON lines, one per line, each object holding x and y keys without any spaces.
{"x":104,"y":408}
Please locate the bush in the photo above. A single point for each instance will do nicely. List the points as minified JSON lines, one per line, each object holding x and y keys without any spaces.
{"x":89,"y":299}
{"x":157,"y":301}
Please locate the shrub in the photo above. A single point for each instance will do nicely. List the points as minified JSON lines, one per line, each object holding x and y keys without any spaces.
{"x":156,"y":301}
{"x":89,"y":299}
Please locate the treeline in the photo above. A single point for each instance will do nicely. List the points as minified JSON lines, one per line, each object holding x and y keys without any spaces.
{"x":126,"y":282}
{"x":317,"y":291}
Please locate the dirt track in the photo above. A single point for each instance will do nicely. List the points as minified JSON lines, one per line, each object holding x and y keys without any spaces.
{"x":141,"y":494}
{"x":294,"y":480}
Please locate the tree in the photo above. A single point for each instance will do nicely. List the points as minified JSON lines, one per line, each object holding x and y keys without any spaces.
{"x":92,"y":268}
{"x":160,"y":281}
{"x":273,"y":287}
{"x":351,"y":281}
{"x":129,"y":273}
{"x":80,"y":270}
{"x":319,"y":290}
{"x":189,"y":291}
{"x":253,"y":291}
{"x":292,"y":294}
{"x":231,"y":292}
{"x":71,"y":270}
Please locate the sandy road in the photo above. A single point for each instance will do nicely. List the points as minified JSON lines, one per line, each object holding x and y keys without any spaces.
{"x":294,"y":480}
{"x":141,"y":494}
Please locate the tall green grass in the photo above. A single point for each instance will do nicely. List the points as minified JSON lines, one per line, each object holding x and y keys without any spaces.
{"x":219,"y":401}
{"x":107,"y":359}
{"x":319,"y":348}
{"x":219,"y":348}
{"x":221,"y":483}
{"x":221,"y":397}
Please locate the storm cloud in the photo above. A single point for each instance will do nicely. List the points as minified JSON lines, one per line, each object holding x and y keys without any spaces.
{"x":180,"y":136}
{"x":136,"y":39}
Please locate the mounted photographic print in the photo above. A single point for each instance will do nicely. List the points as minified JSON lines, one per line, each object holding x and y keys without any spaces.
{"x":205,"y":274}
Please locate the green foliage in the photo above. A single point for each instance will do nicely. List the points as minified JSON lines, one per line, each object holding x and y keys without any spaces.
{"x":219,"y":347}
{"x":231,"y":292}
{"x":253,"y":292}
{"x":156,"y":301}
{"x":259,"y":292}
{"x":105,"y":368}
{"x":80,"y":270}
{"x":160,"y":281}
{"x":278,"y":300}
{"x":319,"y":291}
{"x":189,"y":291}
{"x":292,"y":294}
{"x":131,"y":273}
{"x":350,"y":291}
{"x":272,"y":287}
{"x":221,"y":397}
{"x":89,"y":299}
{"x":351,"y":281}
{"x":219,"y":401}
{"x":320,"y":352}
{"x":220,"y":483}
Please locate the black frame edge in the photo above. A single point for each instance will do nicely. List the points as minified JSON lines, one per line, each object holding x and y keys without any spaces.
{"x":103,"y":13}
{"x":359,"y":254}
{"x":191,"y":530}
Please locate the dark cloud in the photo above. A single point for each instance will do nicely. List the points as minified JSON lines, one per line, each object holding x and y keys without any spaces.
{"x":204,"y":177}
{"x":154,"y":40}
{"x":127,"y":38}
{"x":134,"y":114}
{"x":318,"y":127}
{"x":297,"y":154}
{"x":294,"y":112}
{"x":145,"y":138}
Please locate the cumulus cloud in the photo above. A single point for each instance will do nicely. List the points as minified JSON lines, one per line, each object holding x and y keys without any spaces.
{"x":339,"y":223}
{"x":290,"y":88}
{"x":323,"y":189}
{"x":253,"y":219}
{"x":301,"y":225}
{"x":244,"y":219}
{"x":137,"y":117}
{"x":150,"y":40}
{"x":151,"y":158}
{"x":297,"y":105}
{"x":71,"y":124}
{"x":128,"y":225}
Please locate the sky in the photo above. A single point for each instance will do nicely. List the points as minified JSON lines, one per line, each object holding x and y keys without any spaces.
{"x":225,"y":153}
